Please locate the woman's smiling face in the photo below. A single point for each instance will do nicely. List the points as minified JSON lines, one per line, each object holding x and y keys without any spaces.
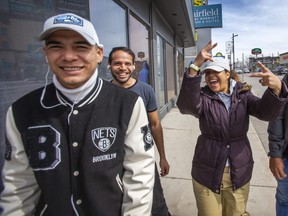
{"x":217,"y":81}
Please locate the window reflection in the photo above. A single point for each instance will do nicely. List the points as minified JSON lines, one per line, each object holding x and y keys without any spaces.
{"x":160,"y":72}
{"x":22,"y":63}
{"x":180,"y":70}
{"x":139,"y":43}
{"x":112,"y":27}
{"x":170,"y":68}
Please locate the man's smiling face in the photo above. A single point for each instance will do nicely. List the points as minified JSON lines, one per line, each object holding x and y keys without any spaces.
{"x":71,"y":58}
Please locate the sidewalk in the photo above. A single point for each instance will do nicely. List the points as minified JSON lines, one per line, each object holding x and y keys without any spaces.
{"x":180,"y":135}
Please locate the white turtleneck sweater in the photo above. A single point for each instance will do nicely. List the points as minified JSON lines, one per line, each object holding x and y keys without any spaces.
{"x":77,"y":94}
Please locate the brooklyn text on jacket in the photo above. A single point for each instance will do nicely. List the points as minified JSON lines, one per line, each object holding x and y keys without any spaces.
{"x":104,"y":157}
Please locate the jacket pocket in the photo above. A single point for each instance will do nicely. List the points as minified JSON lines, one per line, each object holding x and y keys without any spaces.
{"x":119,"y":182}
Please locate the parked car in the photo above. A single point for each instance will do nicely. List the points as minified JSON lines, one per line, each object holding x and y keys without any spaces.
{"x":246,"y":70}
{"x":238,"y":70}
{"x":283,"y":71}
{"x":280,"y":70}
{"x":276,"y":69}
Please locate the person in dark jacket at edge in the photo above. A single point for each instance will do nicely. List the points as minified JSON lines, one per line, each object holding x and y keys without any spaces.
{"x":223,"y":162}
{"x":278,"y":153}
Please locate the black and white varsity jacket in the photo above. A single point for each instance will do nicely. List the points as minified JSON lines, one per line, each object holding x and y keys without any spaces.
{"x":93,"y":158}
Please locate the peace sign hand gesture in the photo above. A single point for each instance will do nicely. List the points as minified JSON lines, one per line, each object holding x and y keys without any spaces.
{"x":268,"y":79}
{"x":203,"y":56}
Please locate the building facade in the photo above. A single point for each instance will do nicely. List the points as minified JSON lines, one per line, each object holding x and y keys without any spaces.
{"x":283,"y":59}
{"x":270,"y":62}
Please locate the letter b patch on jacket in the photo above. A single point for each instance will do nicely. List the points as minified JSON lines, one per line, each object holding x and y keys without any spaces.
{"x":43,"y":150}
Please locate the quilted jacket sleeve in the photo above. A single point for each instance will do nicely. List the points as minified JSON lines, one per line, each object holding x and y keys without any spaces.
{"x":189,"y":97}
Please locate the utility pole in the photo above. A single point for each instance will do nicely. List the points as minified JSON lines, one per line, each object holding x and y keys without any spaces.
{"x":233,"y":50}
{"x":243,"y":66}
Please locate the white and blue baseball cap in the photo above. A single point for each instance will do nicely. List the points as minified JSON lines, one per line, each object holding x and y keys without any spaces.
{"x":70,"y":21}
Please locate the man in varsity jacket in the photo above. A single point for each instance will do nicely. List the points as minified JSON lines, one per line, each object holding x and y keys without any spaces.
{"x":80,"y":145}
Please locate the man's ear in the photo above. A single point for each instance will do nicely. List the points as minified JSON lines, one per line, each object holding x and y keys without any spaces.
{"x":99,"y":54}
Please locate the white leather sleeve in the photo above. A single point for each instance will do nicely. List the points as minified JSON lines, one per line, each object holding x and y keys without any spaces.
{"x":139,"y":164}
{"x":21,"y":192}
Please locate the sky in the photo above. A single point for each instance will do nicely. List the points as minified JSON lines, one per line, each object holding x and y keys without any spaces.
{"x":258,"y":23}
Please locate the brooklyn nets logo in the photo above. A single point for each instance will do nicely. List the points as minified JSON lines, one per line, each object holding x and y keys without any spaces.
{"x":103,"y":138}
{"x":147,"y":137}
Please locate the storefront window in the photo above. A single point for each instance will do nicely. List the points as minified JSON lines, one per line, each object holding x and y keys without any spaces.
{"x":139,"y":43}
{"x":170,"y":69}
{"x":111,"y":29}
{"x":22,"y":64}
{"x":160,"y":72}
{"x":21,"y":58}
{"x":180,"y":70}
